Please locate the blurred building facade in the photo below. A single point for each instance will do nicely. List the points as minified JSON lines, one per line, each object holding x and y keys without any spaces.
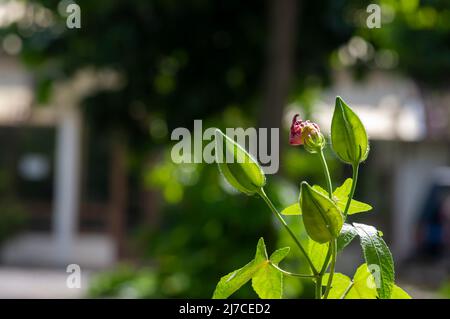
{"x":49,"y":168}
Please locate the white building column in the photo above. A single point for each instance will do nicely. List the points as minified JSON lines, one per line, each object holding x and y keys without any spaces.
{"x":67,"y":178}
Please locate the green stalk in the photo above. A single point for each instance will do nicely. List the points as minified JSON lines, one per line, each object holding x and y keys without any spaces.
{"x":352,"y":190}
{"x":347,"y":290}
{"x":327,"y":174}
{"x":319,"y":287}
{"x":331,"y":251}
{"x":291,"y":233}
{"x":327,"y":260}
{"x":288,"y":273}
{"x":334,"y":244}
{"x":332,"y":266}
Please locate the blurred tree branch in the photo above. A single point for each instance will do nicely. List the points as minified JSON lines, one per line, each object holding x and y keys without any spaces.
{"x":280,"y":60}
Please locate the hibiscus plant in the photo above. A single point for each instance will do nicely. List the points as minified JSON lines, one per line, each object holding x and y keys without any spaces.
{"x":325,"y":213}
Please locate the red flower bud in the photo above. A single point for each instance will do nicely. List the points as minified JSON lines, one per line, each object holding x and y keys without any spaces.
{"x":306,"y":133}
{"x":295,"y":138}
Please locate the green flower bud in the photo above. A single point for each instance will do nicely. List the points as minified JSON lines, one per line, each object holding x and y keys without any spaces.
{"x":348,"y":135}
{"x":238,"y":167}
{"x":322,"y":219}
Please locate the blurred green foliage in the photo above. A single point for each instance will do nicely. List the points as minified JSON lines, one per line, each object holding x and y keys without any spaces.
{"x":125,"y":281}
{"x":445,"y":290}
{"x":13,"y":219}
{"x":207,"y":229}
{"x":414,"y":38}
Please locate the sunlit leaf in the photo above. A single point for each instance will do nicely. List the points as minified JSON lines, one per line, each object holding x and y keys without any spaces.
{"x":317,"y":253}
{"x":348,"y":232}
{"x":278,"y":255}
{"x":363,"y":286}
{"x":399,"y":293}
{"x":378,"y":258}
{"x":293,"y":209}
{"x":267,"y":281}
{"x":234,"y":280}
{"x":341,"y":196}
{"x":339,"y":285}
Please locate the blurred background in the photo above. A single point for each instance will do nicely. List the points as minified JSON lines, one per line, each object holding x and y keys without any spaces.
{"x":86,"y":116}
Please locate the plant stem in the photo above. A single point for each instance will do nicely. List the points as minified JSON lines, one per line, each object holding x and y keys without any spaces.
{"x":291,"y":233}
{"x":327,"y":260}
{"x":291,"y":273}
{"x":332,"y":266}
{"x":327,"y":174}
{"x":347,"y":290}
{"x":319,"y":287}
{"x":352,"y":191}
{"x":334,"y":242}
{"x":330,"y":248}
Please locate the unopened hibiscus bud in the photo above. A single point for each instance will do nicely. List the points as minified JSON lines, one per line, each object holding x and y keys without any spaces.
{"x":306,"y":133}
{"x":322,"y":219}
{"x":242,"y":171}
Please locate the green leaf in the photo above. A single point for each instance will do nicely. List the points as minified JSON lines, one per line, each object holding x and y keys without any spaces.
{"x":344,"y":190}
{"x":348,"y":135}
{"x":363,"y":285}
{"x":348,"y":232}
{"x":322,"y":219}
{"x":341,"y":196}
{"x":237,"y":166}
{"x":267,"y":281}
{"x":378,"y":257}
{"x":320,"y":190}
{"x":293,"y":209}
{"x":317,"y":253}
{"x":234,"y":280}
{"x":339,"y":285}
{"x":279,"y":255}
{"x":355,"y":206}
{"x":399,"y":293}
{"x":261,"y":252}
